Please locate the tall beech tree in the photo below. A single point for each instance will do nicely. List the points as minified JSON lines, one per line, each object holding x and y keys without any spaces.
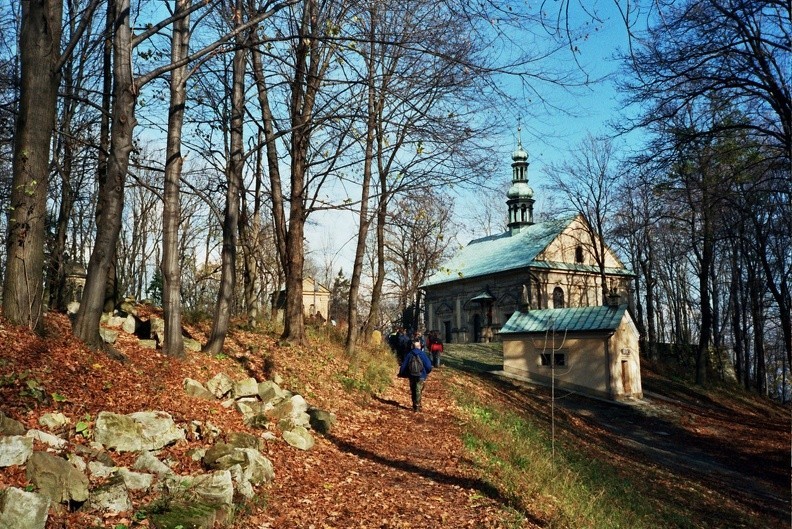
{"x":41,"y":63}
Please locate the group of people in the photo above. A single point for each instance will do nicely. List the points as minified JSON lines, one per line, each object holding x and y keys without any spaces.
{"x":416,"y":357}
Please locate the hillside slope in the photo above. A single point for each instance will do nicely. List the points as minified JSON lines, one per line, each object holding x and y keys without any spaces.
{"x":385,"y":466}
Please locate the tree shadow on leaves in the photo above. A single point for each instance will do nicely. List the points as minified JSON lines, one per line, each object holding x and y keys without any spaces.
{"x":482,"y":487}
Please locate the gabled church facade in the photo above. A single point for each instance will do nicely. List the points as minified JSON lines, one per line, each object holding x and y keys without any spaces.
{"x":531,"y":266}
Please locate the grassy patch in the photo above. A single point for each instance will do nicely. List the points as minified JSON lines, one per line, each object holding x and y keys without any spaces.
{"x":564,"y":489}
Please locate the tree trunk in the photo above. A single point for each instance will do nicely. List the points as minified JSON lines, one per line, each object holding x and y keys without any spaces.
{"x":111,"y":197}
{"x":364,"y":220}
{"x":40,"y":53}
{"x":736,"y":313}
{"x":171,"y":211}
{"x":225,"y":297}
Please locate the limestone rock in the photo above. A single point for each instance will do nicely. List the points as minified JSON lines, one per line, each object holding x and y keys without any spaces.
{"x":47,"y":438}
{"x":271,"y":392}
{"x":145,"y":430}
{"x":215,"y":488}
{"x":53,"y":421}
{"x":192,"y":345}
{"x":220,"y":384}
{"x":112,"y":497}
{"x":108,"y":335}
{"x":130,"y":324}
{"x":247,"y":387}
{"x":135,"y":480}
{"x":9,"y":426}
{"x":299,"y":438}
{"x":15,"y":450}
{"x":148,"y":462}
{"x":23,"y":510}
{"x":148,"y":344}
{"x":56,"y":478}
{"x":195,"y":389}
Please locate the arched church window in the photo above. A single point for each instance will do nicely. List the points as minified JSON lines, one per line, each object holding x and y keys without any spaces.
{"x":558,"y":298}
{"x":579,"y":254}
{"x":522,"y":219}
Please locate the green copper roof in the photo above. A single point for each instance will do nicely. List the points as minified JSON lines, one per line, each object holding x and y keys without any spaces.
{"x":504,"y":252}
{"x":499,"y":253}
{"x":577,"y":319}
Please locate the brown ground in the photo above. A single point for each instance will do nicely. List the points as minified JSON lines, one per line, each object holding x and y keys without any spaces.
{"x":381,"y":452}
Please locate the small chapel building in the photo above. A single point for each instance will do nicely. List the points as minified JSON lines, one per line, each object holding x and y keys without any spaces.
{"x":493,"y":287}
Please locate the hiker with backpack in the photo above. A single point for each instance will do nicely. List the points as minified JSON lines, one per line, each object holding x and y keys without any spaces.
{"x":416,"y":366}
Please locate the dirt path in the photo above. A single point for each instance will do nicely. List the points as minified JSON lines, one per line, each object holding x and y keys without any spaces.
{"x":385,"y":466}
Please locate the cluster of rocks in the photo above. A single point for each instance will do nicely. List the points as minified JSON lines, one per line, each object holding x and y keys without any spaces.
{"x":233,"y":461}
{"x":150,"y":332}
{"x":264,"y":405}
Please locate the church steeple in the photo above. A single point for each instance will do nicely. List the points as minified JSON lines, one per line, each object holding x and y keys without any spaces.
{"x":520,"y":195}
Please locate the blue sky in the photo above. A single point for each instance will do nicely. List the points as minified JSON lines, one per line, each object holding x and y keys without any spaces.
{"x":548,"y":134}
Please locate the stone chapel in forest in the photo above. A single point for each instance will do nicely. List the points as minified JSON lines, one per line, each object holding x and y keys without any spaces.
{"x":531,"y":266}
{"x":538,"y":288}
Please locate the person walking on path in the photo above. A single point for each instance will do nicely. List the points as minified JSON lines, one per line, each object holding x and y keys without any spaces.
{"x":416,"y":366}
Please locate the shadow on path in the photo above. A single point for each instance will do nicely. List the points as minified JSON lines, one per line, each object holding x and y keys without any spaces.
{"x":482,"y":487}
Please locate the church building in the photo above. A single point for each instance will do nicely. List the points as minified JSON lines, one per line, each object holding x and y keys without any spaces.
{"x":531,"y":266}
{"x":535,"y":279}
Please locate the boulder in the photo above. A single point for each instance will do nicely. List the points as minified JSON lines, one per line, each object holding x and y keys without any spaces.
{"x":9,"y":426}
{"x":223,"y":456}
{"x":247,"y":387}
{"x":130,"y":324}
{"x":148,"y":462}
{"x":291,"y":413}
{"x":15,"y":450}
{"x":192,"y":345}
{"x":73,"y":308}
{"x":144,"y":430}
{"x":220,"y":384}
{"x":112,"y":497}
{"x":56,"y":478}
{"x":53,"y":421}
{"x":148,"y":344}
{"x":215,"y":488}
{"x":23,"y":510}
{"x":271,"y":392}
{"x":108,"y":335}
{"x":135,"y":480}
{"x":195,"y":389}
{"x":299,"y":437}
{"x":47,"y":438}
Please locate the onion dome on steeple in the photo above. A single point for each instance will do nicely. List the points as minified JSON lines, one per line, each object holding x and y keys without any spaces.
{"x":520,"y":195}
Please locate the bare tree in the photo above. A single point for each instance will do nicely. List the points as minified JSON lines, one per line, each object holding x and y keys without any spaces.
{"x":588,"y":182}
{"x":171,"y":211}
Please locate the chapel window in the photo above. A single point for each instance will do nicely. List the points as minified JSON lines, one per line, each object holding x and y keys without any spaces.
{"x":579,"y":254}
{"x":558,"y":298}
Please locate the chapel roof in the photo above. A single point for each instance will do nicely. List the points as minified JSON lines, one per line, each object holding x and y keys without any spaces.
{"x":509,"y":251}
{"x":575,"y":319}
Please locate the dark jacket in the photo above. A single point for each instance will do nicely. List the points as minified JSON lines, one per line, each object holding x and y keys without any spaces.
{"x":404,"y":370}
